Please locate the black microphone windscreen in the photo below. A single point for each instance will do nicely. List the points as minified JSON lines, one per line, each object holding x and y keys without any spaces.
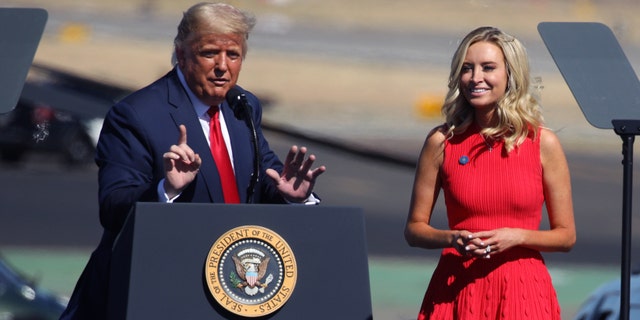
{"x":237,"y":101}
{"x":233,"y":96}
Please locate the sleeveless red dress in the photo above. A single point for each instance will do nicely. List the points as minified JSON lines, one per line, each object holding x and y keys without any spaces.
{"x":486,"y":189}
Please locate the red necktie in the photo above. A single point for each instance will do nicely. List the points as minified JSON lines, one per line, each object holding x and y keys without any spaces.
{"x":221,"y":157}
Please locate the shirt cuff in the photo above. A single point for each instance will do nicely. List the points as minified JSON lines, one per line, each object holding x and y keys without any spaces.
{"x":312,"y":200}
{"x":162,"y":194}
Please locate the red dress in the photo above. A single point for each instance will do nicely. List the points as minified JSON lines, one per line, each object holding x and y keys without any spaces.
{"x":487,"y":191}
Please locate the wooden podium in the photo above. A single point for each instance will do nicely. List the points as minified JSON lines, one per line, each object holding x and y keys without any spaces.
{"x":160,"y":261}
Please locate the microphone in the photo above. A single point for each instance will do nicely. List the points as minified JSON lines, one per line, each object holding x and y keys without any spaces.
{"x":238,"y":102}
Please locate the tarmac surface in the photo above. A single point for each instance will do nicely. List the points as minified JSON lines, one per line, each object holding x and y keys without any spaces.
{"x":377,"y":76}
{"x":374,"y":88}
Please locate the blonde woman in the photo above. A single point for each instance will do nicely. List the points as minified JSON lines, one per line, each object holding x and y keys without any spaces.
{"x":497,"y":165}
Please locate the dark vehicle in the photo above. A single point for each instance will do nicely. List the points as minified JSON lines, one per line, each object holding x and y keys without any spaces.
{"x":37,"y":125}
{"x":60,"y":115}
{"x":52,"y":119}
{"x":21,"y":299}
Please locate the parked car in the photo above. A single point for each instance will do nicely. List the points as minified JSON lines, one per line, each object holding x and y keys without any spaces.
{"x":22,"y":299}
{"x":54,"y":119}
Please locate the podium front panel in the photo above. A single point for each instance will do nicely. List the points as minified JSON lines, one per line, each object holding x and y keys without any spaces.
{"x":160,"y":257}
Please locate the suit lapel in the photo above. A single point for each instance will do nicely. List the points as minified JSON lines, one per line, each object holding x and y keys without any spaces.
{"x":184,"y":113}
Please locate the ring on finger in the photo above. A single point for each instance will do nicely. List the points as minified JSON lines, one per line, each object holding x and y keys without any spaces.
{"x":488,"y":249}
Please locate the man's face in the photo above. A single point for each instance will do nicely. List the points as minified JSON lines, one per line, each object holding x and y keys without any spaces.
{"x":211,"y":65}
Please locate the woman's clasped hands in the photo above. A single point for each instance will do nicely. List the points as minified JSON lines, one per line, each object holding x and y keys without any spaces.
{"x":467,"y":244}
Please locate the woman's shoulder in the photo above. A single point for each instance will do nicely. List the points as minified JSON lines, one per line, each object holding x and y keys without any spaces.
{"x":438,"y":134}
{"x":547,"y":137}
{"x":549,"y":143}
{"x":435,"y":141}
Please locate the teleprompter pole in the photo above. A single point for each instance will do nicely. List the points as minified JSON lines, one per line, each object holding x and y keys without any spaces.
{"x":627,"y":130}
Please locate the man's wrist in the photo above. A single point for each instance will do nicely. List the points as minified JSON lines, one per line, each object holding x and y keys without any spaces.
{"x":163,"y":195}
{"x":311,"y":200}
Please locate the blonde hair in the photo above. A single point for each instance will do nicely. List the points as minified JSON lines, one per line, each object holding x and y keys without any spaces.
{"x":518,"y":112}
{"x":217,"y":18}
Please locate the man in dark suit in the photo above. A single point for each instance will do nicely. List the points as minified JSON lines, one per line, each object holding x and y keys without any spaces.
{"x":155,"y":143}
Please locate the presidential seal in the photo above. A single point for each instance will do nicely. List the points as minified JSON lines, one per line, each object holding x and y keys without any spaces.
{"x":251,"y":271}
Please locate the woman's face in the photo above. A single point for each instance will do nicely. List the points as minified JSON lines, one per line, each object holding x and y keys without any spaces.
{"x":483,"y":79}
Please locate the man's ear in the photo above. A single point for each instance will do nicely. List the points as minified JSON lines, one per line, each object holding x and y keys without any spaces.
{"x":179,"y":56}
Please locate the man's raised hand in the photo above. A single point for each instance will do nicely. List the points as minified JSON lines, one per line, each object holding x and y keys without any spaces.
{"x":181,"y":164}
{"x":297,"y":179}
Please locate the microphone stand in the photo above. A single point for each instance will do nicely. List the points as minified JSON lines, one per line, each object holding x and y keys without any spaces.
{"x":255,"y":176}
{"x":240,"y":98}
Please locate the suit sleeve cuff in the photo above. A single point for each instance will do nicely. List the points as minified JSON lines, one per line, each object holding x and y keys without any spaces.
{"x":162,"y":194}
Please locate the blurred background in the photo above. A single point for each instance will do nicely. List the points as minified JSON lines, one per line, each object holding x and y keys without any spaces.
{"x":360,"y":81}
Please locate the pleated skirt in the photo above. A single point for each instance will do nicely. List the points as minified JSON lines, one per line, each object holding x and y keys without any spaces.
{"x":512,"y":285}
